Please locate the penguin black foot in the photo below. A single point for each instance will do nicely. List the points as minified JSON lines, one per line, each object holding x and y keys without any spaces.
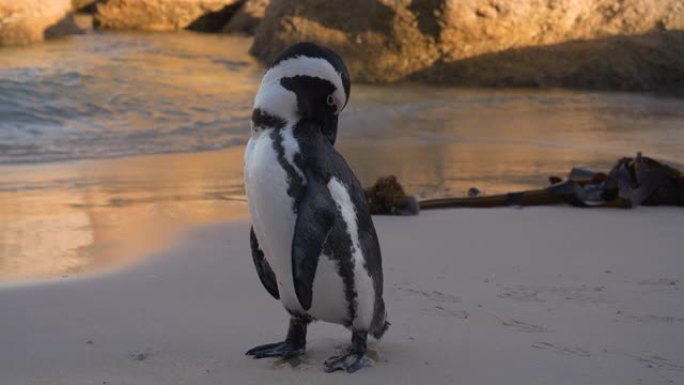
{"x":353,"y":359}
{"x":293,"y":345}
{"x":283,"y":349}
{"x":349,"y":362}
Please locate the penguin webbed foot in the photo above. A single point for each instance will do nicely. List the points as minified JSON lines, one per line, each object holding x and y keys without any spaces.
{"x":283,"y":349}
{"x":353,"y":360}
{"x":294,"y":345}
{"x":350,"y":362}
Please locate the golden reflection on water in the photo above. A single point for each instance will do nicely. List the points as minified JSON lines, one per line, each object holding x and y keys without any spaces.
{"x":104,"y":95}
{"x":64,"y":219}
{"x":91,"y":215}
{"x":442,"y":141}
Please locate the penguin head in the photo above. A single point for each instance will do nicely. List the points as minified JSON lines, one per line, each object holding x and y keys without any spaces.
{"x":306,"y":82}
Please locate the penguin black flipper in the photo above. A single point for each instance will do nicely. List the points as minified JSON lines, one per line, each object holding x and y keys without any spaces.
{"x":315,"y":218}
{"x":266,"y":274}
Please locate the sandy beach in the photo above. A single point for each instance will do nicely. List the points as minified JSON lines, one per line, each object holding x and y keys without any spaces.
{"x":124,"y":247}
{"x":549,"y":295}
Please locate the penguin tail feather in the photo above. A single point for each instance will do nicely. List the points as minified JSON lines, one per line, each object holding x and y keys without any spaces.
{"x":379,"y":325}
{"x":379,"y":332}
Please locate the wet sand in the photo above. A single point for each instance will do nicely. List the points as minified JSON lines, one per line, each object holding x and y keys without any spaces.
{"x":550,"y":295}
{"x":81,"y":217}
{"x":72,"y":218}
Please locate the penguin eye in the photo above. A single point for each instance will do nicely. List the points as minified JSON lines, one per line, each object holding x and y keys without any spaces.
{"x":332,"y":103}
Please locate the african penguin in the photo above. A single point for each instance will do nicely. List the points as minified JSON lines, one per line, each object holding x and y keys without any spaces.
{"x":313,"y":241}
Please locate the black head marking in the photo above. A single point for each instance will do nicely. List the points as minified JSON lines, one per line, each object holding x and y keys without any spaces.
{"x":318,"y":78}
{"x":312,"y":95}
{"x":261,"y":118}
{"x":313,"y":102}
{"x":313,"y":50}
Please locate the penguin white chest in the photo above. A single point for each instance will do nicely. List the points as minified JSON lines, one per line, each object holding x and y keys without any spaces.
{"x":274,"y":219}
{"x":270,"y":205}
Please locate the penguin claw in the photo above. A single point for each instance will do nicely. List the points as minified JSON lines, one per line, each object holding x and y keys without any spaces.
{"x":279,"y":349}
{"x":349,"y":362}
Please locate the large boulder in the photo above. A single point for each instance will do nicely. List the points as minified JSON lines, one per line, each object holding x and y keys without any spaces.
{"x":164,"y":15}
{"x":247,"y":18}
{"x":379,"y":40}
{"x":494,"y":42}
{"x":648,"y":62}
{"x":84,"y":5}
{"x":29,"y":21}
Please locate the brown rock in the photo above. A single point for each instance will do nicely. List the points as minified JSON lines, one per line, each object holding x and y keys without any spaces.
{"x":387,"y":197}
{"x":247,"y":17}
{"x":29,"y":21}
{"x":649,"y":62}
{"x":379,"y":40}
{"x":84,"y":21}
{"x":84,"y":5}
{"x":483,"y":27}
{"x":575,"y":43}
{"x":164,"y":15}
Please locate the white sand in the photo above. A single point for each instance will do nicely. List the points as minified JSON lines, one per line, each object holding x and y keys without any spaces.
{"x":533,"y":296}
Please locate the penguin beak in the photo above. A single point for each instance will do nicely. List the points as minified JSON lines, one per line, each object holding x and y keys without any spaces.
{"x":330,"y":130}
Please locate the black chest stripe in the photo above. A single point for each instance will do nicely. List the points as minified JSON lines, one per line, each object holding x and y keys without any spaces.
{"x":295,"y":183}
{"x":261,"y":118}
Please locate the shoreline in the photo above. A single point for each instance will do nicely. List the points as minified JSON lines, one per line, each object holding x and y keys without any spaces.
{"x":533,"y":295}
{"x":83,"y":217}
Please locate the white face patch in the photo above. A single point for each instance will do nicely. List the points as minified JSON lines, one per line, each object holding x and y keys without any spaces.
{"x":281,"y":102}
{"x":276,"y":100}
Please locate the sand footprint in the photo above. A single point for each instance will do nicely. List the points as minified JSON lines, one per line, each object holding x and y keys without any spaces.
{"x":448,"y":312}
{"x":575,"y":351}
{"x":435,"y":295}
{"x":522,"y":326}
{"x":660,"y":363}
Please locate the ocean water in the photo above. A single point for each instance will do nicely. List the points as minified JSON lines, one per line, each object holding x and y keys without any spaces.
{"x":110,"y":142}
{"x":114,"y":95}
{"x":110,"y":95}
